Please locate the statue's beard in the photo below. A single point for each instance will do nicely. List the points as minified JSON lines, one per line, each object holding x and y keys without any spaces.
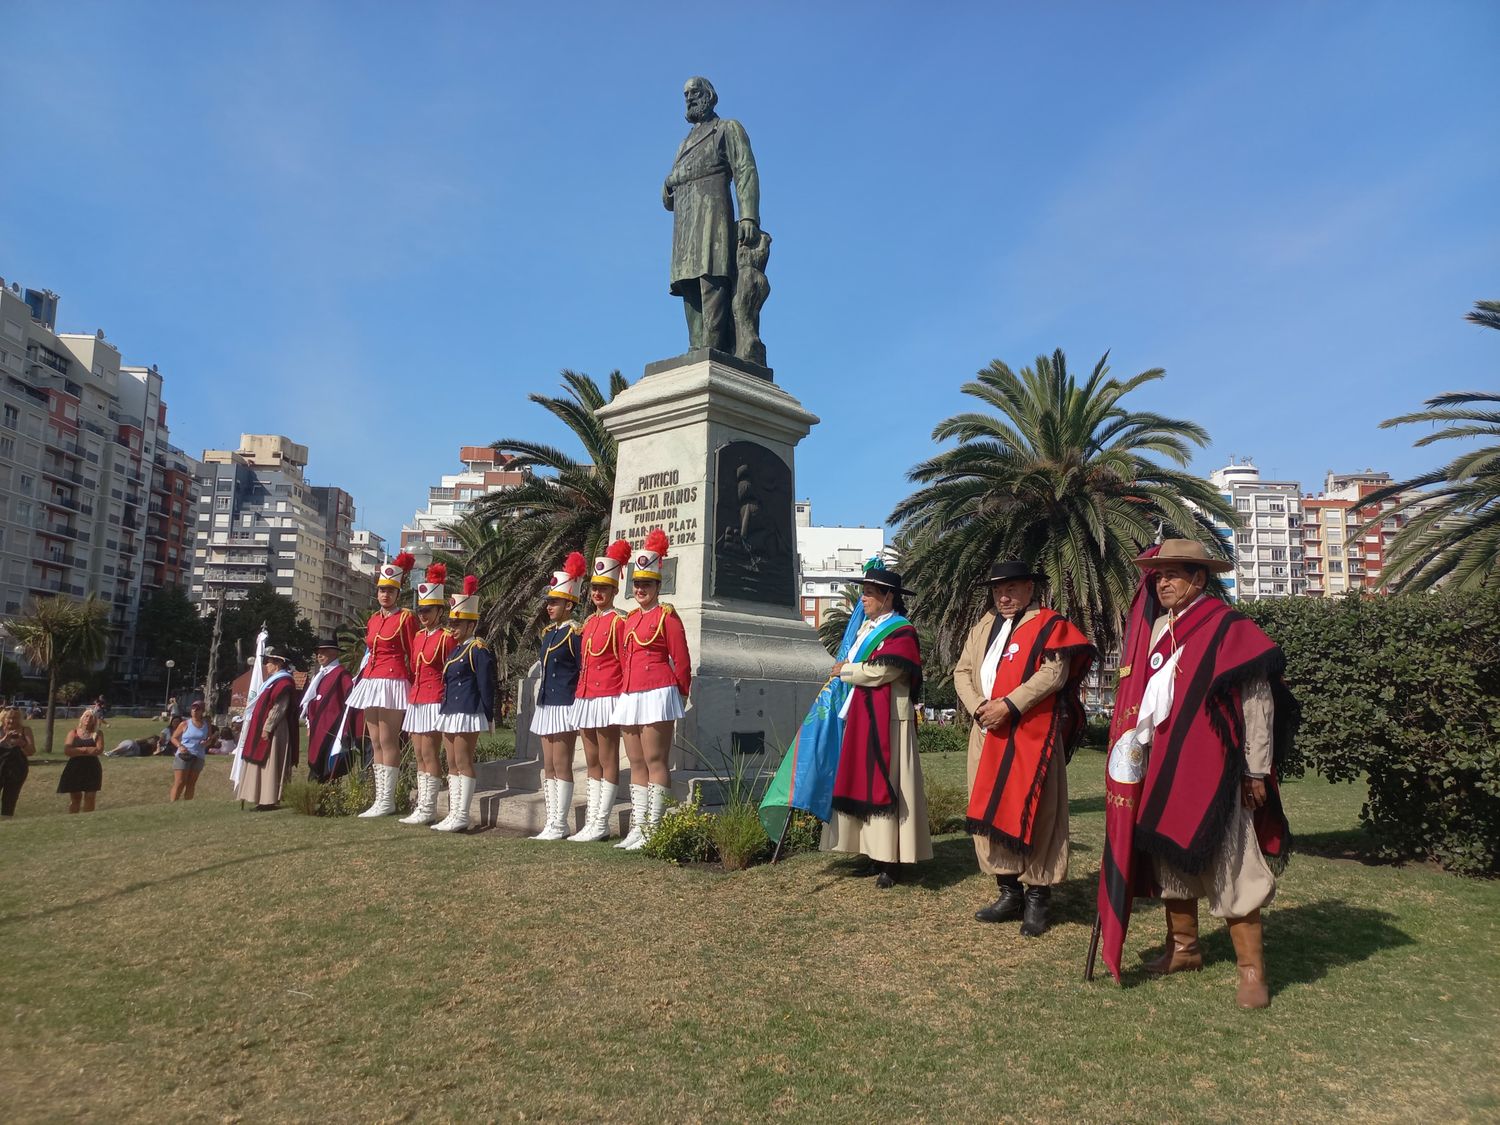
{"x":699,"y":113}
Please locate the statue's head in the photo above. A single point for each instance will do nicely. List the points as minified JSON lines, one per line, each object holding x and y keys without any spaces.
{"x":701,"y":97}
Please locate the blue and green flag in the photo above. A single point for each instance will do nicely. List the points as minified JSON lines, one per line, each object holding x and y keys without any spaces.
{"x":805,"y":779}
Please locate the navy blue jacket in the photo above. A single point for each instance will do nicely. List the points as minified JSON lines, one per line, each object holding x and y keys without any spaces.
{"x":469,"y":680}
{"x":560,"y":661}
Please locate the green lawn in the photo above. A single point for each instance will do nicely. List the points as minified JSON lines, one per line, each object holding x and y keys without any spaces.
{"x":196,"y":962}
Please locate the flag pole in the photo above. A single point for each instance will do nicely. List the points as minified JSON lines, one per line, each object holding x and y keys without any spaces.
{"x":781,"y":840}
{"x":1088,"y":966}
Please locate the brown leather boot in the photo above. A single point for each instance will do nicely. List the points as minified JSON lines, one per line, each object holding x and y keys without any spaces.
{"x":1182,"y":954}
{"x":1246,"y":934}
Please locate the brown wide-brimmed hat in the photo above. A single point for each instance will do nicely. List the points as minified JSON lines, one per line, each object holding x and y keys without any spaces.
{"x":1188,"y":552}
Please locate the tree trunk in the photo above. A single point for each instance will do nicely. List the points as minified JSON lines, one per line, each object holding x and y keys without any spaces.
{"x":51,"y":706}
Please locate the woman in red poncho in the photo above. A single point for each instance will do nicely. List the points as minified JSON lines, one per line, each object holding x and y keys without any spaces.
{"x":385,"y":679}
{"x":658,"y":677}
{"x":879,"y":802}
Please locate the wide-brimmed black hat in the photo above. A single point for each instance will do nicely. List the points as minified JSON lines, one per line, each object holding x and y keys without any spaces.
{"x":277,"y":655}
{"x":1012,"y":569}
{"x":879,"y":576}
{"x":328,"y":642}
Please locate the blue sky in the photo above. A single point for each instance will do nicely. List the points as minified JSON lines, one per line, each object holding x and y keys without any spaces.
{"x":376,"y":227}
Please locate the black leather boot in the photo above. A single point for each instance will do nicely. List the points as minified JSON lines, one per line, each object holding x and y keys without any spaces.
{"x":1034,"y":921}
{"x":887,"y":877}
{"x":1007,"y":906}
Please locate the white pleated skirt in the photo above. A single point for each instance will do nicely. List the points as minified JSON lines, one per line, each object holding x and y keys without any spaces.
{"x":556,"y":718}
{"x":636,"y":708}
{"x":595,"y":712}
{"x":465,"y":723}
{"x":423,"y":718}
{"x":387,"y":693}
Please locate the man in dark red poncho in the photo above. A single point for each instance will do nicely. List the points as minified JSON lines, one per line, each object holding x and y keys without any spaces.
{"x":1020,"y":676}
{"x":323,"y":703}
{"x":1214,"y":721}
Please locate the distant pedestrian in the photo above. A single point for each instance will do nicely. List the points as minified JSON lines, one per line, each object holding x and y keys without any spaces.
{"x":83,"y":776}
{"x":16,"y":747}
{"x":190,"y":739}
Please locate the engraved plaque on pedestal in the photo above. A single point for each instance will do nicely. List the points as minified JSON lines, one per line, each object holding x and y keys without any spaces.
{"x":754,"y":552}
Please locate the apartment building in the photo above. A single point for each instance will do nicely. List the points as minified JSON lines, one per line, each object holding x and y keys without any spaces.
{"x":259,"y":520}
{"x":88,"y":476}
{"x":1268,"y":547}
{"x":828,"y":559}
{"x":1337,"y":559}
{"x":366,"y":552}
{"x":452,"y":498}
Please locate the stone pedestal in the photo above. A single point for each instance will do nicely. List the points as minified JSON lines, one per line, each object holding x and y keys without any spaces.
{"x":706,"y":453}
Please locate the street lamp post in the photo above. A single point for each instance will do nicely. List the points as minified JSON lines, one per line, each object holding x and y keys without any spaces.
{"x":166,"y":704}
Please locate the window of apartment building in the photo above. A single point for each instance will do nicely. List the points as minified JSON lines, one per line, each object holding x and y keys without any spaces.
{"x":23,"y":510}
{"x":1242,"y":503}
{"x":1335,"y":567}
{"x":221,"y":503}
{"x":12,"y":417}
{"x":7,"y":447}
{"x":24,"y":484}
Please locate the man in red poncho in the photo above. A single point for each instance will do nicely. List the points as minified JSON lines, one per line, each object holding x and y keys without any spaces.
{"x":323,"y":703}
{"x":1019,"y":676}
{"x":1213,"y":723}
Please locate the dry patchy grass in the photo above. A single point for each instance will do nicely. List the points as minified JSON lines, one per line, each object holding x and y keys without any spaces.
{"x":196,"y":962}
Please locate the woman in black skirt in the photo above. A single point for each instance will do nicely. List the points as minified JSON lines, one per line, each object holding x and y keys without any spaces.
{"x":83,"y":776}
{"x":16,"y":746}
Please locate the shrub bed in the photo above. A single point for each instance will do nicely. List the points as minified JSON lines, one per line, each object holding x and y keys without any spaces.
{"x":1406,"y":692}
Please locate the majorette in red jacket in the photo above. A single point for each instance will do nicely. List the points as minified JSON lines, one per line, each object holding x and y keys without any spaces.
{"x":655,"y":652}
{"x":602,"y":673}
{"x":389,"y":637}
{"x":430,"y":653}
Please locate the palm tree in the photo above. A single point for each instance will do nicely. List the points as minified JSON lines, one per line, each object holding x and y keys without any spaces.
{"x":1061,"y":475}
{"x":567,"y":506}
{"x":1452,"y":531}
{"x":61,"y":635}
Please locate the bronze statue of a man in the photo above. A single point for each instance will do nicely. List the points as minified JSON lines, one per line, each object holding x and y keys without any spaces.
{"x":705,"y":234}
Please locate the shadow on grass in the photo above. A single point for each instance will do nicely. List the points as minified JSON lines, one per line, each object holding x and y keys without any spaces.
{"x":174,"y":877}
{"x":1303,"y":943}
{"x":1355,"y":844}
{"x":1080,"y":805}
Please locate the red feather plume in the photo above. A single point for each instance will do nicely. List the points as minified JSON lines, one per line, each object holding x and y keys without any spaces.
{"x":576,"y":565}
{"x":437,"y":574}
{"x":471,"y":585}
{"x":405,"y":561}
{"x":657,"y":541}
{"x":619,"y":550}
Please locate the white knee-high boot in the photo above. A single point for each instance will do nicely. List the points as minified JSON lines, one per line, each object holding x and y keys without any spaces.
{"x":636,"y":836}
{"x":656,"y":802}
{"x":385,"y":791}
{"x":598,"y":826}
{"x":588,"y":816}
{"x":427,"y":791}
{"x":549,"y":797}
{"x":460,"y":793}
{"x":557,"y":828}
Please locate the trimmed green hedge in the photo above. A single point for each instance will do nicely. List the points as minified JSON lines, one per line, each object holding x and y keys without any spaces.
{"x":1406,"y":692}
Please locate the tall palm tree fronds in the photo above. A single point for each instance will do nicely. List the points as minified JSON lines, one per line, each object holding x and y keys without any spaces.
{"x":61,"y":635}
{"x":1452,"y":530}
{"x":1060,"y":474}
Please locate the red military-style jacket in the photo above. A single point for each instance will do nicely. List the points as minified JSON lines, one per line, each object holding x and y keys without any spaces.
{"x":655,"y":652}
{"x":430,"y":652}
{"x":602,"y":673}
{"x":389,"y":639}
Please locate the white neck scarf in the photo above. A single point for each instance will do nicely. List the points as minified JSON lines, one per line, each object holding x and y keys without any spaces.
{"x":991,"y":662}
{"x":311,"y":693}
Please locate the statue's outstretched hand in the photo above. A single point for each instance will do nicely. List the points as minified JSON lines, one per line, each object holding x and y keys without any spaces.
{"x":749,"y":231}
{"x":666,"y":196}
